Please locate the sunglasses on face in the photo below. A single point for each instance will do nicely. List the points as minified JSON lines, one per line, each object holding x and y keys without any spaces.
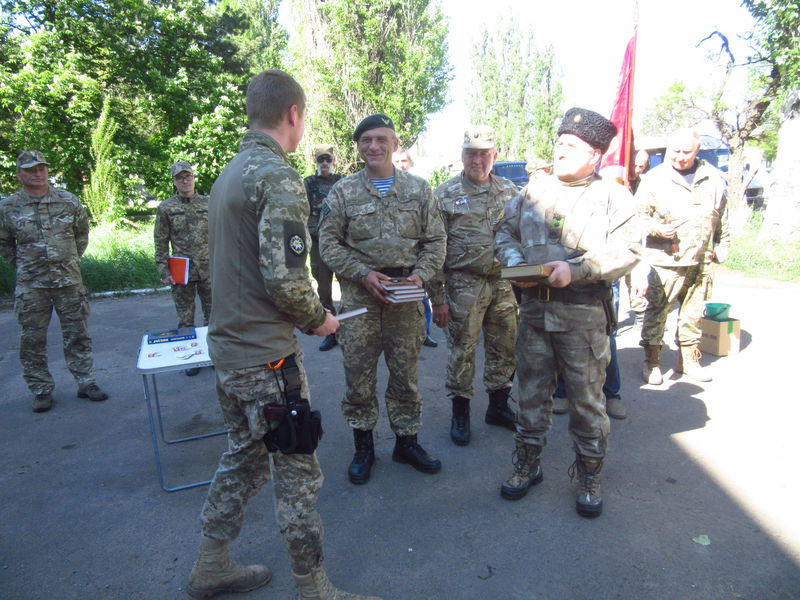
{"x":324,"y":158}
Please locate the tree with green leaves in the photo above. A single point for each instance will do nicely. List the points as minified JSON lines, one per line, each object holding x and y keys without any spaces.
{"x":102,"y":193}
{"x":358,"y":58}
{"x":167,"y":64}
{"x":516,"y":91}
{"x":675,"y":109}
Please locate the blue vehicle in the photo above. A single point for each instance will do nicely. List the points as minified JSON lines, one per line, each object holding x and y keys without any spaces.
{"x":513,"y":170}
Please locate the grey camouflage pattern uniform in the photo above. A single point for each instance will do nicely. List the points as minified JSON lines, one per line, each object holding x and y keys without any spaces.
{"x":362,"y":231}
{"x":682,"y":273}
{"x":44,"y":239}
{"x":276,"y":192}
{"x":470,"y":284}
{"x":183,"y":222}
{"x":567,"y":336}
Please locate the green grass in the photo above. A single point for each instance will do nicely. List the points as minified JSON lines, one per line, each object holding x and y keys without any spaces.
{"x":757,"y":257}
{"x":116,"y":259}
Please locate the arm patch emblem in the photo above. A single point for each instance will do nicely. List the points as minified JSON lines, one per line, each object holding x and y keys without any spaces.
{"x":295,"y":244}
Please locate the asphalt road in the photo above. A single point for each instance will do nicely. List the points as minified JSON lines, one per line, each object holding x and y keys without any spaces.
{"x":700,"y":485}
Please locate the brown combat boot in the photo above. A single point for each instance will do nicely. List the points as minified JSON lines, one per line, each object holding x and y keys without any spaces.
{"x":91,"y":391}
{"x":588,"y":500}
{"x":42,"y":402}
{"x":689,"y":363}
{"x":527,"y":471}
{"x":651,"y":368}
{"x":317,"y":586}
{"x":215,"y":573}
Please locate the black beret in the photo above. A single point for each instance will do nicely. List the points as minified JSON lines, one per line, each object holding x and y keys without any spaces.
{"x":591,"y":127}
{"x":372,"y":122}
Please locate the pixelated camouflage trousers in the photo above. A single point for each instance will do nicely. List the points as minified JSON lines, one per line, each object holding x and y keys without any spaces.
{"x":480,"y":304}
{"x":34,"y":308}
{"x":247,"y":465}
{"x":581,"y":357}
{"x":396,"y":331}
{"x":322,"y":275}
{"x":183,"y":296}
{"x":689,"y":287}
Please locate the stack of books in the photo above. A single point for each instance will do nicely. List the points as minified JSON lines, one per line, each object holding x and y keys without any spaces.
{"x":401,"y":290}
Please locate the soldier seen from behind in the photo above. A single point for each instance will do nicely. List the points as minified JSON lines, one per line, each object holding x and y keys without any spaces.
{"x":44,"y":232}
{"x":258,"y":246}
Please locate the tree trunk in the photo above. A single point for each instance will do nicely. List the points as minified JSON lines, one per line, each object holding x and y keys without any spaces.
{"x":782,"y":216}
{"x":737,"y":203}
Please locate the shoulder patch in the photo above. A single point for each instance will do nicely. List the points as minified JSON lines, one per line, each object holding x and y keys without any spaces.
{"x":295,"y":245}
{"x":324,"y":210}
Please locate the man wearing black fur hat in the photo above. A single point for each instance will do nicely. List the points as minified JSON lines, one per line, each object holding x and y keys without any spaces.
{"x":585,"y":229}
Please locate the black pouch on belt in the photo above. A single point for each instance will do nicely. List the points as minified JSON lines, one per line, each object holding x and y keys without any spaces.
{"x":300,"y":428}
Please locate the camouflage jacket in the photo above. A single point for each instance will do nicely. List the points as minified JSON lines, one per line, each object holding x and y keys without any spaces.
{"x":258,"y":246}
{"x":470,"y":214}
{"x":699,"y":212}
{"x":317,"y":189}
{"x":592,"y":225}
{"x":184,"y":223}
{"x":362,"y":231}
{"x":44,"y":238}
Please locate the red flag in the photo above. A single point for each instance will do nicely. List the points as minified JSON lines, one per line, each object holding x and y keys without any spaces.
{"x":617,"y":160}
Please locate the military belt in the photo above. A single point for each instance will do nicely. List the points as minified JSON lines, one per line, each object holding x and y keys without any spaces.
{"x":567,"y":295}
{"x":396,"y":271}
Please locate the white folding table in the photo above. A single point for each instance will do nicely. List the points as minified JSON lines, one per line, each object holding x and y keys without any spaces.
{"x":163,"y":358}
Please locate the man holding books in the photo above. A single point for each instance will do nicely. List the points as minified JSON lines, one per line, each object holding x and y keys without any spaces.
{"x":378,"y":225}
{"x":182,"y":221}
{"x":469,"y":296}
{"x":584,"y":228}
{"x":43,"y":234}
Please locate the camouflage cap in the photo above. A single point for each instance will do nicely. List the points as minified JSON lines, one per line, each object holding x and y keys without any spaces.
{"x":30,"y":158}
{"x":322,"y":149}
{"x":591,"y":127}
{"x":479,"y":137}
{"x":179,"y":167}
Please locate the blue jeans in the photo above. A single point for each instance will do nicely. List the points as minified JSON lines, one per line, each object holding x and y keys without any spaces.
{"x":426,"y":303}
{"x":613,"y":381}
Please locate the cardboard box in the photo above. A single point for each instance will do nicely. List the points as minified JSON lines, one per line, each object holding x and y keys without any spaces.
{"x":720,"y":337}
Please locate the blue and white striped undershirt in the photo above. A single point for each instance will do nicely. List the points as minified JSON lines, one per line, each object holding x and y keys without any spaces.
{"x":382,"y":184}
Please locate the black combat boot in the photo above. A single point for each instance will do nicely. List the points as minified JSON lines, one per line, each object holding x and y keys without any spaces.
{"x":361,"y":465}
{"x":408,"y":451}
{"x":588,"y":501}
{"x":527,"y":471}
{"x":498,"y":412}
{"x":459,"y":424}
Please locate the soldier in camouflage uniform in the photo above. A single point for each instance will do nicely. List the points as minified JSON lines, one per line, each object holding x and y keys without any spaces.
{"x":684,"y":211}
{"x":182,"y":220}
{"x":317,"y":188}
{"x":469,"y":296}
{"x":258,"y":248}
{"x":378,"y":224}
{"x":585,"y":229}
{"x":43,"y":233}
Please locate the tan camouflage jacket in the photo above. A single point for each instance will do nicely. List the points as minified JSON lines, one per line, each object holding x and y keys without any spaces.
{"x":184,"y":222}
{"x":470,"y":214}
{"x":591,"y":225}
{"x":699,"y":212}
{"x":362,"y":231}
{"x":258,"y":243}
{"x":44,"y":238}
